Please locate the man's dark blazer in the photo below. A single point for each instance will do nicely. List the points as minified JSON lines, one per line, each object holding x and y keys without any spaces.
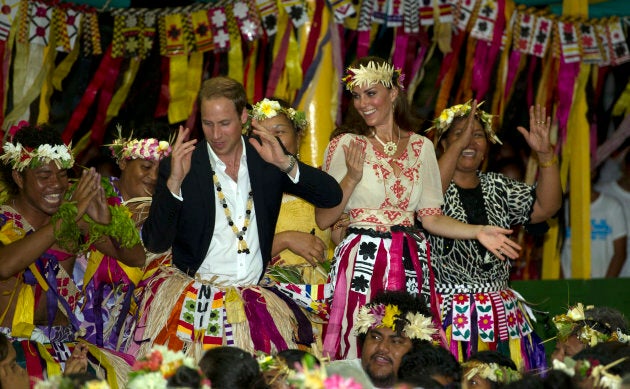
{"x":187,"y":226}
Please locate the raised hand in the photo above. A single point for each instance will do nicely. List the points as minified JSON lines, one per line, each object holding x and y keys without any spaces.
{"x":87,"y":188}
{"x":180,"y":159}
{"x":538,"y":136}
{"x":355,"y":158}
{"x":465,"y":136}
{"x":495,"y":239}
{"x":269,"y":146}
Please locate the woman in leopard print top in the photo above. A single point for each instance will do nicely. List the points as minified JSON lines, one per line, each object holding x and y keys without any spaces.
{"x":477,"y":309}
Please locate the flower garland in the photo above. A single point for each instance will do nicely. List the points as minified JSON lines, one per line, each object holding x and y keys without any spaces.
{"x":490,"y":371}
{"x":121,"y":227}
{"x":588,"y":331}
{"x":414,"y":325}
{"x":267,"y":109}
{"x":20,"y":157}
{"x":442,"y":123}
{"x":373,"y":73}
{"x":130,"y":148}
{"x":62,"y":382}
{"x":311,"y":375}
{"x":154,"y":369}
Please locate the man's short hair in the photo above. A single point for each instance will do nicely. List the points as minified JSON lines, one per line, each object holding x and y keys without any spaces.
{"x":217,"y":87}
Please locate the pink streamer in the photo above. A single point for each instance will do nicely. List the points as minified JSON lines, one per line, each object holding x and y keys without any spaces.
{"x":567,"y":75}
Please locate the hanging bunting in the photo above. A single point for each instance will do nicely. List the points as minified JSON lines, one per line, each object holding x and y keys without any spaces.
{"x":91,"y":34}
{"x":464,"y":10}
{"x":247,"y":19}
{"x":296,"y":9}
{"x":220,"y":35}
{"x":617,"y":40}
{"x":526,"y":29}
{"x":445,"y":11}
{"x":591,"y":52}
{"x":394,"y":13}
{"x":39,"y":26}
{"x":411,"y":20}
{"x":606,"y":47}
{"x":379,"y":15}
{"x":342,"y":9}
{"x":569,"y":42}
{"x":131,"y":33}
{"x":8,"y":14}
{"x":364,"y":27}
{"x":425,"y":12}
{"x":486,"y":18}
{"x":202,"y":31}
{"x":148,"y":33}
{"x":540,"y":38}
{"x":268,"y":15}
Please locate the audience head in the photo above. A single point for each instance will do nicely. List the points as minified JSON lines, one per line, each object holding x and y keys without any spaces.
{"x":452,"y":120}
{"x":488,"y":370}
{"x":35,"y":163}
{"x":284,"y":122}
{"x":388,"y":327}
{"x":231,"y":368}
{"x":429,"y":361}
{"x":582,"y":327}
{"x":138,"y":160}
{"x":378,"y":97}
{"x":222,"y":103}
{"x":185,"y":377}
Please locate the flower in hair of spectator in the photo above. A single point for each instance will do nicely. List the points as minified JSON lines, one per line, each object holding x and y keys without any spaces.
{"x":154,"y":369}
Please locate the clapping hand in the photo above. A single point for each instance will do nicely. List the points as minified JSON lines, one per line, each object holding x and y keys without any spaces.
{"x":355,"y":158}
{"x":496,"y":240}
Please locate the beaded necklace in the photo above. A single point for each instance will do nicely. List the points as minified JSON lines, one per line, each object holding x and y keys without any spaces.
{"x":242,"y":244}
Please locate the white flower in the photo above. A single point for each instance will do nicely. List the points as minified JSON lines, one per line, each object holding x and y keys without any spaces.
{"x":419,"y":327}
{"x":365,"y":320}
{"x":563,"y":367}
{"x":153,"y":380}
{"x":576,"y":313}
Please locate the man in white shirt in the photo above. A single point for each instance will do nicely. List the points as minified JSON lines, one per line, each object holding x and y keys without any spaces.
{"x":216,"y":204}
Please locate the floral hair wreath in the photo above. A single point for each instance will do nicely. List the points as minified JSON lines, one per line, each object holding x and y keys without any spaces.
{"x":442,"y":123}
{"x":267,"y":109}
{"x":21,"y":157}
{"x":147,"y":148}
{"x":590,"y":368}
{"x":373,"y":73}
{"x":414,"y":325}
{"x":154,"y":369}
{"x":490,"y":371}
{"x":588,"y":331}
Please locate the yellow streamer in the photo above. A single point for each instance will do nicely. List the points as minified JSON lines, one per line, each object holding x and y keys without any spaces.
{"x":622,"y":106}
{"x":178,"y":107}
{"x":235,"y":55}
{"x":195,"y":70}
{"x":47,"y":87}
{"x":23,"y":319}
{"x":104,"y":362}
{"x":53,"y":367}
{"x":121,"y":94}
{"x":63,"y":69}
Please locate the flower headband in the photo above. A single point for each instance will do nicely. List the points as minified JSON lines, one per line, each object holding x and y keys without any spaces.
{"x":266,"y":109}
{"x":20,"y":157}
{"x":490,"y":371}
{"x":416,"y":325}
{"x":155,"y":368}
{"x":591,"y":368}
{"x":589,"y":332}
{"x":444,"y":121}
{"x":147,"y":148}
{"x":372,"y":73}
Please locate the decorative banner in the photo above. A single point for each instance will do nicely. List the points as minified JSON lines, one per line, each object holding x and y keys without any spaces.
{"x":618,"y":42}
{"x":445,"y":11}
{"x":466,"y":8}
{"x":342,"y":9}
{"x":296,"y":9}
{"x":569,"y":42}
{"x":602,"y":34}
{"x":591,"y":52}
{"x":269,"y":16}
{"x":91,"y":35}
{"x":220,"y":35}
{"x":39,"y":27}
{"x":202,"y":31}
{"x":9,"y":11}
{"x":394,"y":13}
{"x":379,"y":15}
{"x":426,"y":12}
{"x":411,"y":20}
{"x":540,"y":40}
{"x":247,"y":19}
{"x":526,"y":28}
{"x":172,"y":35}
{"x":486,"y":18}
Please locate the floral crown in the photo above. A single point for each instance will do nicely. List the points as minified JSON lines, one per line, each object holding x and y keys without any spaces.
{"x":266,"y":109}
{"x":442,"y":123}
{"x":372,"y":73}
{"x":490,"y":371}
{"x":147,"y":148}
{"x":414,"y":325}
{"x":589,"y":332}
{"x":21,"y":157}
{"x":590,"y":368}
{"x":154,"y":369}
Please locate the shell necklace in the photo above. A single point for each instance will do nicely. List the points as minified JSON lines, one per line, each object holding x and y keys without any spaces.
{"x":390,"y":147}
{"x":240,"y":235}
